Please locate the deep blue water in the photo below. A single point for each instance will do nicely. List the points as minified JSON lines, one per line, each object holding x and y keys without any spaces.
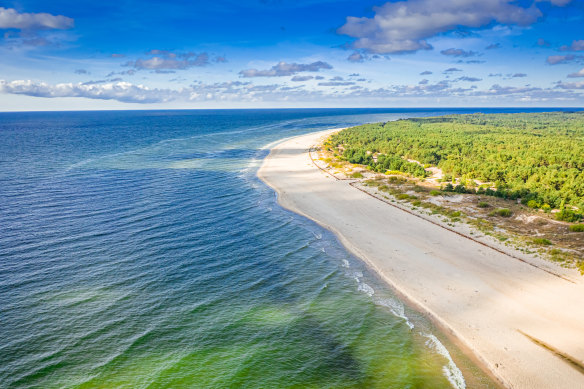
{"x":138,"y":249}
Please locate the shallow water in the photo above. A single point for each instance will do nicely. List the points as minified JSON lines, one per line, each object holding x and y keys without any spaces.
{"x":138,"y":249}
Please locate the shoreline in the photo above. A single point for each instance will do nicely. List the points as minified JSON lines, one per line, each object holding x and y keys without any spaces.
{"x":494,"y":306}
{"x":462,"y":229}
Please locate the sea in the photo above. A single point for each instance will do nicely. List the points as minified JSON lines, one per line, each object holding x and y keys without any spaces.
{"x":138,"y":249}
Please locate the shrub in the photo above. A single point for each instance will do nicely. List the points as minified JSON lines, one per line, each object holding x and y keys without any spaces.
{"x":435,"y":192}
{"x":532,"y":204}
{"x":542,"y":241}
{"x":397,"y":180}
{"x":577,"y":228}
{"x":503,"y":212}
{"x":403,"y":196}
{"x":546,"y":208}
{"x":460,"y":189}
{"x":357,"y":175}
{"x":416,"y":203}
{"x":567,"y":215}
{"x":483,"y":204}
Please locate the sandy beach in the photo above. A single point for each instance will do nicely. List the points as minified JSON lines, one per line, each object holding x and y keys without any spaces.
{"x":524,"y":324}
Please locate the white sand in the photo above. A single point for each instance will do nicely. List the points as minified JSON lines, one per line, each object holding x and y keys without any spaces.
{"x":486,"y":299}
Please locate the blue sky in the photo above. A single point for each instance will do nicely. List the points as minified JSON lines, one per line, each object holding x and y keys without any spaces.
{"x":148,"y":54}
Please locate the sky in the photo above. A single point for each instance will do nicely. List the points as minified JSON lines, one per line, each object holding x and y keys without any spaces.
{"x":155,"y":54}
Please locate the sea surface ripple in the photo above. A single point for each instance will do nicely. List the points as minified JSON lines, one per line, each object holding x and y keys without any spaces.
{"x":138,"y":249}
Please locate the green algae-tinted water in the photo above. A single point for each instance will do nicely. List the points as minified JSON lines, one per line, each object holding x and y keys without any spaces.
{"x":138,"y":249}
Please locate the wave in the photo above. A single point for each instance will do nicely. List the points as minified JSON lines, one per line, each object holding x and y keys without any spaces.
{"x":451,"y":371}
{"x":368,"y":290}
{"x":396,"y":307}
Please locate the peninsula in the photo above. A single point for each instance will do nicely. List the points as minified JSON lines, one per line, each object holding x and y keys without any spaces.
{"x":519,"y":315}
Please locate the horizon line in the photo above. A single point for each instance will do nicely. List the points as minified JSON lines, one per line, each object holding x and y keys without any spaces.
{"x":555,"y":108}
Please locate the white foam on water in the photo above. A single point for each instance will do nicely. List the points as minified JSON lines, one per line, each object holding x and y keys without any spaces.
{"x":194,"y":163}
{"x":80,"y":164}
{"x":345,"y":263}
{"x":396,"y":307}
{"x":363,"y":287}
{"x":252,"y":164}
{"x":451,"y":371}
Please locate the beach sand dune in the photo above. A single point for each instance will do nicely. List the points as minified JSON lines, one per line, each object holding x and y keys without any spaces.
{"x":524,"y":324}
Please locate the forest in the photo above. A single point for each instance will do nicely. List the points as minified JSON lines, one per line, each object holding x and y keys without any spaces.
{"x":535,"y":157}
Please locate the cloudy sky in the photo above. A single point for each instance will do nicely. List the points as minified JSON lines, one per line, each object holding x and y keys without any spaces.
{"x":129,"y":54}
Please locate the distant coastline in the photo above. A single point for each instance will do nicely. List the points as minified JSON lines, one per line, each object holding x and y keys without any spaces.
{"x":500,"y":308}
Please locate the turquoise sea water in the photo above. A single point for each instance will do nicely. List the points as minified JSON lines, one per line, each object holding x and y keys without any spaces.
{"x":138,"y":249}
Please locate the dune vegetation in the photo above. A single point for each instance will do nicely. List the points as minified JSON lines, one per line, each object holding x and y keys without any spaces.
{"x":535,"y":157}
{"x":518,"y":178}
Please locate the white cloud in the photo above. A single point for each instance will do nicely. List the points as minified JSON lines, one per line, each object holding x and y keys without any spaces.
{"x":239,"y":91}
{"x":498,"y":90}
{"x":451,"y":70}
{"x":458,"y":53}
{"x":120,"y":91}
{"x":571,"y":85}
{"x":560,"y":59}
{"x":301,"y":78}
{"x":468,"y":79}
{"x":356,"y":57}
{"x":285,"y":69}
{"x":559,"y":3}
{"x":166,"y":60}
{"x":336,"y":83}
{"x":12,"y":19}
{"x":404,"y":26}
{"x":579,"y":73}
{"x":131,"y":93}
{"x":575,"y":46}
